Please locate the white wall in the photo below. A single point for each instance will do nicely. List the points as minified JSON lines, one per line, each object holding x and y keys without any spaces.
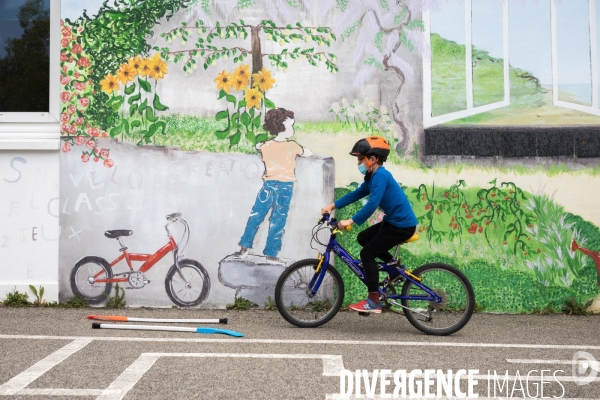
{"x":29,"y":228}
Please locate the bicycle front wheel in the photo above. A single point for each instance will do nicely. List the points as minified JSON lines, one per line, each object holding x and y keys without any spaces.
{"x":292,"y":294}
{"x":85,"y":275}
{"x":456,"y":307}
{"x":191,"y":287}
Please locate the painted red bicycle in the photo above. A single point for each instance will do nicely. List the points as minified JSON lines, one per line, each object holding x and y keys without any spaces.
{"x":187,"y":283}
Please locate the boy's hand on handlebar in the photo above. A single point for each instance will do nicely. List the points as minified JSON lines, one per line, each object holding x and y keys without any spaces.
{"x":345,"y":224}
{"x":328,"y":209}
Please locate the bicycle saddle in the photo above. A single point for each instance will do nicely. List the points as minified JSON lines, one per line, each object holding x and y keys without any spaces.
{"x":118,"y":233}
{"x":173,"y":216}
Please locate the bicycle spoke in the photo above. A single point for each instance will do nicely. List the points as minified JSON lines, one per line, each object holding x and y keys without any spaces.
{"x":446,"y":312}
{"x":295,"y":301}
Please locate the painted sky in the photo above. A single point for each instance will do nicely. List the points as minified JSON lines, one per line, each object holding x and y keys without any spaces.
{"x":529,"y":34}
{"x":73,"y":9}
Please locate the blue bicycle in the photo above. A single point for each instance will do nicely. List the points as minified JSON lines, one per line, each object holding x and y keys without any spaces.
{"x":436,"y":298}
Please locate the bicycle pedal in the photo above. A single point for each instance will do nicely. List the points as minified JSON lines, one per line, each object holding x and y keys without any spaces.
{"x":364,"y":314}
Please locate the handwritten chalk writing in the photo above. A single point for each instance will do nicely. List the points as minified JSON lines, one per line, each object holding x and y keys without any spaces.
{"x":97,"y":205}
{"x":12,"y":165}
{"x":64,"y":210}
{"x":35,"y":235}
{"x":109,"y":200}
{"x":251,"y":170}
{"x":76,"y":180}
{"x":52,"y":200}
{"x":75,"y":233}
{"x":223,"y":168}
{"x":112,"y":177}
{"x":92,"y":180}
{"x":82,"y":198}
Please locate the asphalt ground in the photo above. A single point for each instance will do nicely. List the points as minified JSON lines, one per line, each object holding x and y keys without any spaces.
{"x":50,"y":353}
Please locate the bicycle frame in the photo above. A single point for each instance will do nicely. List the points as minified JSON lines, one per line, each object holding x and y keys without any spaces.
{"x":150,"y":260}
{"x":358,"y":270}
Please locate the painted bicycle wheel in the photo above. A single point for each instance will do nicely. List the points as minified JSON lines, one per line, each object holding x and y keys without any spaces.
{"x":85,"y":276}
{"x":189,"y":288}
{"x":294,"y":300}
{"x":445,"y":317}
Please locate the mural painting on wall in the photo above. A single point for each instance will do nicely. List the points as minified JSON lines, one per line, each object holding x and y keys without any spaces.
{"x":206,"y":77}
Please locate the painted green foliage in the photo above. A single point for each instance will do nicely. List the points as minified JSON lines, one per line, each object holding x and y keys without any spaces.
{"x":503,"y":281}
{"x":454,"y":214}
{"x":211,"y":45}
{"x":117,"y":33}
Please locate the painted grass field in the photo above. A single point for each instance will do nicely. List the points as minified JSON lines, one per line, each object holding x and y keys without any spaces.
{"x":504,"y":281}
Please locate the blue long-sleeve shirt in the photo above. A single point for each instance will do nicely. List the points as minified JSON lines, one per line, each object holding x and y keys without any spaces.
{"x":383,"y":192}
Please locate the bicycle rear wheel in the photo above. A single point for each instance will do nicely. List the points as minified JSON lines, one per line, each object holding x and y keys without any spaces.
{"x":293,"y":300}
{"x":84,"y":276}
{"x":456,"y":308}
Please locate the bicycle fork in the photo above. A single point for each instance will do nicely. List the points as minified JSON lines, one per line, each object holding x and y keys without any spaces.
{"x":317,"y":278}
{"x":176,"y":257}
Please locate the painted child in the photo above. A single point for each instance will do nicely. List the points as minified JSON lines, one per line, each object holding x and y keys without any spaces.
{"x":279,"y":157}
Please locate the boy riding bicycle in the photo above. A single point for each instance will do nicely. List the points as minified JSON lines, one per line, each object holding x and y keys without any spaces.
{"x":398,"y":225}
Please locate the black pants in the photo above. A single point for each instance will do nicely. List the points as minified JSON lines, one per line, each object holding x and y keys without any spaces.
{"x":376,"y":241}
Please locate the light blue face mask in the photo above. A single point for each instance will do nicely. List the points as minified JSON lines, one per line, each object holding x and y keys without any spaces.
{"x":362,"y":169}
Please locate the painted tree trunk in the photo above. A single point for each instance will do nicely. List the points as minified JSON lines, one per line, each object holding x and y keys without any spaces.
{"x":257,"y":63}
{"x":594,"y":254}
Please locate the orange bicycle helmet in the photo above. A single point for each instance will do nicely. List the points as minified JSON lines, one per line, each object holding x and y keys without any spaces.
{"x":372,"y":145}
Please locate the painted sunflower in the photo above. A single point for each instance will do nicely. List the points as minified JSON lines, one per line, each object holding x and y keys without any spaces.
{"x":126,"y":73}
{"x":145,"y":67}
{"x":224,"y":81}
{"x":253,"y":97}
{"x":110,"y":83}
{"x":158,"y":68}
{"x":135,"y":63}
{"x":242,"y":74}
{"x":263,"y":80}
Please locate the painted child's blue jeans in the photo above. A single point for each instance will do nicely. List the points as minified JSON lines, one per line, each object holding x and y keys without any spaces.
{"x":274,"y":195}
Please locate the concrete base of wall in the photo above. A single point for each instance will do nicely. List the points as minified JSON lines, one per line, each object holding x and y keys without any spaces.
{"x":50,"y":290}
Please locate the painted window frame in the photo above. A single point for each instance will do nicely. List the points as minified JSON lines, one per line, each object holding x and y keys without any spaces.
{"x":593,"y":109}
{"x":52,"y":115}
{"x":428,"y":119}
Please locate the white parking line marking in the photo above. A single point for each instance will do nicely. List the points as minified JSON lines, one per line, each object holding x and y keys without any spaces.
{"x":128,"y":378}
{"x":332,"y":365}
{"x":20,"y":381}
{"x":60,"y":392}
{"x":593,"y":365}
{"x":308,"y":341}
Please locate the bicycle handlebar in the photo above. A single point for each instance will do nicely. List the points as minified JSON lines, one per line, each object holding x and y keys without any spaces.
{"x":333,"y":222}
{"x":173,"y":217}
